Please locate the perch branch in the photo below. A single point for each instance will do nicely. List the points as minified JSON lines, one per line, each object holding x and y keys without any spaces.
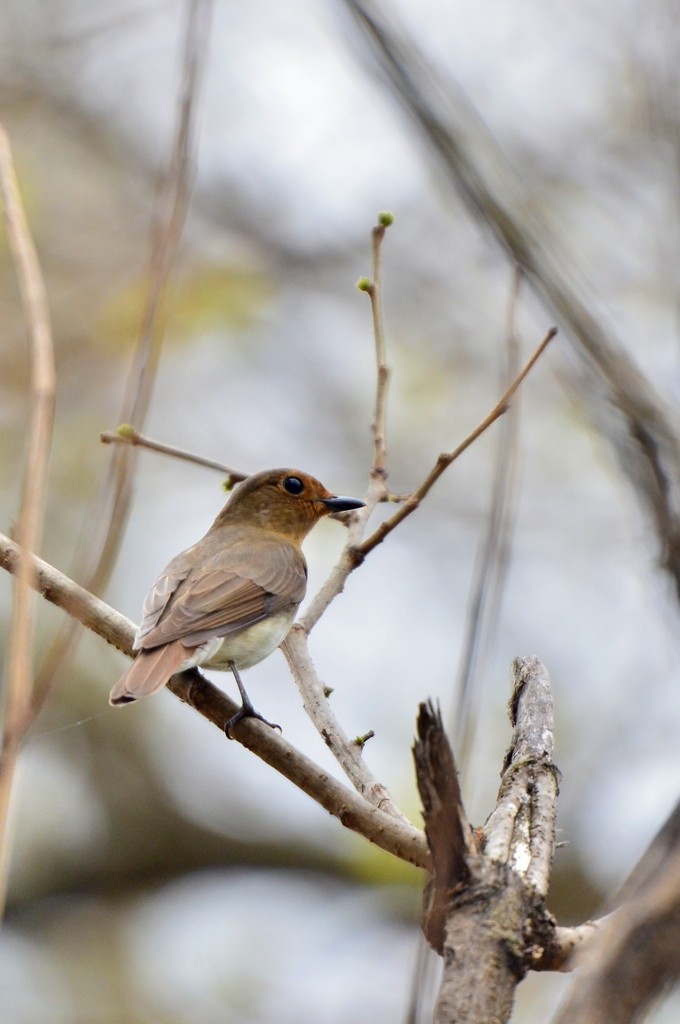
{"x":395,"y":836}
{"x":32,"y":511}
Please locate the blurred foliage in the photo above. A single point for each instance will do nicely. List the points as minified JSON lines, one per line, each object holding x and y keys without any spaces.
{"x":204,"y":298}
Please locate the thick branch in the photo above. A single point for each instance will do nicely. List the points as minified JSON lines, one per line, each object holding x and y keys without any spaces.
{"x":397,"y":837}
{"x":521,"y":828}
{"x":485,"y":910}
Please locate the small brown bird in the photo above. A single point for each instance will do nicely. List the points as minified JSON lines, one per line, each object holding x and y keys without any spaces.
{"x":230,"y":600}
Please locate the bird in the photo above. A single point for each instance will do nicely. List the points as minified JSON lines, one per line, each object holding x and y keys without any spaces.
{"x":229,"y":601}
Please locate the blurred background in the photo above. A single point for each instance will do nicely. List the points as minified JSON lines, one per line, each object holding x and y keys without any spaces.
{"x":162,"y":875}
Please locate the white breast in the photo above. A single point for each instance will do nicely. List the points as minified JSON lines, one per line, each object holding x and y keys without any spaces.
{"x":245,"y":649}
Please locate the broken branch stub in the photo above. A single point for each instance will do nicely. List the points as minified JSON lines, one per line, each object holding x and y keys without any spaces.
{"x":485,"y":905}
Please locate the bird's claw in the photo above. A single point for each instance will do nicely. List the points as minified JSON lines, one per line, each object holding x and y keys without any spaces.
{"x":247,"y":711}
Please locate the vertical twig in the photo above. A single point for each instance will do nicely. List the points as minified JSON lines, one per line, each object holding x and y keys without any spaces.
{"x":493,"y":553}
{"x":100,"y":543}
{"x":295,"y":648}
{"x":32,"y":511}
{"x":376,"y":489}
{"x":374,"y":290}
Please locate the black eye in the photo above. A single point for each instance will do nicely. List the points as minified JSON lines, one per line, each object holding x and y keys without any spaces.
{"x":294,"y":485}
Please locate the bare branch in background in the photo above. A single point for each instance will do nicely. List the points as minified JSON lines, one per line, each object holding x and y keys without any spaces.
{"x":100,"y":543}
{"x":626,"y":406}
{"x":128,"y":435}
{"x":636,"y":954}
{"x":29,"y":528}
{"x":398,"y":837}
{"x":493,"y":554}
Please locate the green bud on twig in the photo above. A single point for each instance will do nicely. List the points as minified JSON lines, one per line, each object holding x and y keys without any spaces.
{"x":127,"y":431}
{"x":385,"y":218}
{"x":328,"y":690}
{"x":361,"y":741}
{"x":364,"y":285}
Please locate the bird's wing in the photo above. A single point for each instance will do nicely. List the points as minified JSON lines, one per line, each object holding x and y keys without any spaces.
{"x":155,"y":604}
{"x":239,"y":586}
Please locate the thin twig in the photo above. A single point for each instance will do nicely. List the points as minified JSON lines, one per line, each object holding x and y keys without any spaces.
{"x":99,"y":545}
{"x":398,"y":837}
{"x":32,"y":511}
{"x":374,"y":290}
{"x":346,"y":752}
{"x":561,"y":953}
{"x":295,"y":648}
{"x":128,"y":435}
{"x":445,"y":460}
{"x":377,"y":492}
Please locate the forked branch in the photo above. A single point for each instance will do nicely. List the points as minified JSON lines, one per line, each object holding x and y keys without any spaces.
{"x":445,"y":460}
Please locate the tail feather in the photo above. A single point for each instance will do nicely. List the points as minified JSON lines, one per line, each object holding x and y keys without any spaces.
{"x":149,"y":672}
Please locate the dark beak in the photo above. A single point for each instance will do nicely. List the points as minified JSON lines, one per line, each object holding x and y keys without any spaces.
{"x":336,"y":504}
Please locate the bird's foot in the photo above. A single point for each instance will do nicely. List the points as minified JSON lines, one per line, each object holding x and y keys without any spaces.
{"x":247,"y":711}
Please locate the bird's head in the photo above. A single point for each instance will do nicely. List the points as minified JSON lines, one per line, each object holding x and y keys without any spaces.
{"x":286,"y":501}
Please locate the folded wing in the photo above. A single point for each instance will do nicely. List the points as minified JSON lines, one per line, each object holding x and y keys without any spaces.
{"x":243,"y":581}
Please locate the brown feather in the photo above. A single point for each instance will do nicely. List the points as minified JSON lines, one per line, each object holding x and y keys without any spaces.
{"x":241,"y":575}
{"x":149,"y":672}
